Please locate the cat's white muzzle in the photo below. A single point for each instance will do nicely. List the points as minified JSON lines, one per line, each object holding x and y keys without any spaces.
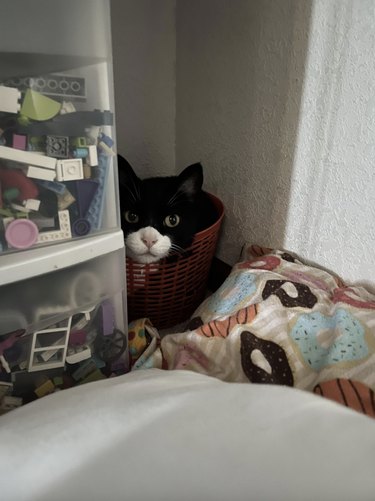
{"x":147,"y":245}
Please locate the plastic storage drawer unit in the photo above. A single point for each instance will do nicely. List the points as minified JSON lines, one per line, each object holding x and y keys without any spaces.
{"x":62,"y":259}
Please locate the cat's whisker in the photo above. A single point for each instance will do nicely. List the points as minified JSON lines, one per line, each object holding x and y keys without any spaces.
{"x":137,"y":195}
{"x":136,"y":186}
{"x":175,"y":197}
{"x":177,"y":248}
{"x":132,"y":190}
{"x":134,"y":198}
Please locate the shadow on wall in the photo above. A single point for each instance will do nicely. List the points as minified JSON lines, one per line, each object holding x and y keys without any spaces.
{"x":240,"y":73}
{"x":144,"y":53}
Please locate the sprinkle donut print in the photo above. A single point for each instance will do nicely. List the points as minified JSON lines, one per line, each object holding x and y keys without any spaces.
{"x":232,"y":295}
{"x":343,"y":333}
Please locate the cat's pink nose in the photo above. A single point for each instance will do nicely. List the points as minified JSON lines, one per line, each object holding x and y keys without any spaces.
{"x":148,"y":242}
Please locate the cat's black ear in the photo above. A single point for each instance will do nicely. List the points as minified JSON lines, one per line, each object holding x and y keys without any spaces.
{"x":126,"y":173}
{"x":128,"y":179}
{"x":191,"y":179}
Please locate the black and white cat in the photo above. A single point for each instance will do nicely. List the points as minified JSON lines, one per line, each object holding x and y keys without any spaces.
{"x":160,"y":215}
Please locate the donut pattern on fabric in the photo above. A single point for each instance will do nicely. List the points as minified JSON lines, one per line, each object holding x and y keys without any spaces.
{"x":256,"y":251}
{"x":324,"y":340}
{"x":234,"y":291}
{"x":288,"y":257}
{"x":353,"y":394}
{"x":348,"y":296}
{"x":222,"y":328}
{"x":305,"y":298}
{"x":189,"y":356}
{"x":194,"y":323}
{"x":281,"y":372}
{"x":268,"y":263}
{"x":304,"y":277}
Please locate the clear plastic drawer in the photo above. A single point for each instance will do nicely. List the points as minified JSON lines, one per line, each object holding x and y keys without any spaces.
{"x":39,"y":301}
{"x":58,"y":171}
{"x":80,"y":347}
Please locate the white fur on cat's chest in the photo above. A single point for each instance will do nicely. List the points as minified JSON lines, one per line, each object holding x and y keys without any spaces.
{"x":147,"y":245}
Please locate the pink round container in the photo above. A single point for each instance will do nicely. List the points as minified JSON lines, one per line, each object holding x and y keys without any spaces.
{"x":21,"y":233}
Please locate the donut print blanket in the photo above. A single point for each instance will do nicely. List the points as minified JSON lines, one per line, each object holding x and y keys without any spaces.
{"x":275,"y":320}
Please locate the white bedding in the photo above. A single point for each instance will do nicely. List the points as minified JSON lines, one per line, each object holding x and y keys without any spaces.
{"x":178,"y":435}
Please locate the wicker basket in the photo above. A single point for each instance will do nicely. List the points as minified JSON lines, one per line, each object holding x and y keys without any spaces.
{"x":168,"y":292}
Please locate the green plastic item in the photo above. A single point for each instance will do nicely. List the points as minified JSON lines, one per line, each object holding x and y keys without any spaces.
{"x":11,"y":194}
{"x":79,"y":142}
{"x":23,"y":120}
{"x":39,"y":107}
{"x":12,"y":213}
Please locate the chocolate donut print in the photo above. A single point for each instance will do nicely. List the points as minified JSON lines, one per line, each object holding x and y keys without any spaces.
{"x":288,"y":257}
{"x":305,"y":298}
{"x":353,"y":394}
{"x":281,"y":372}
{"x":194,"y":323}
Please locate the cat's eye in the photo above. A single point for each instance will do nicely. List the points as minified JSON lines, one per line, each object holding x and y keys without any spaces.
{"x":172,"y":221}
{"x":131,"y":217}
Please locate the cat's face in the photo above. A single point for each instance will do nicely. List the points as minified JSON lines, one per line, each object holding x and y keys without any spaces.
{"x":158,"y":215}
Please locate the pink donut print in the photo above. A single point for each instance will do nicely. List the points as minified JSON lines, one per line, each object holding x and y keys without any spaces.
{"x":298,"y":276}
{"x":268,"y":263}
{"x":340,"y":295}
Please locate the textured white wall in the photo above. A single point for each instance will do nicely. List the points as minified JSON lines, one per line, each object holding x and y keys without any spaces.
{"x":331,"y":216}
{"x":144,"y":54}
{"x":239,"y":77}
